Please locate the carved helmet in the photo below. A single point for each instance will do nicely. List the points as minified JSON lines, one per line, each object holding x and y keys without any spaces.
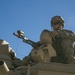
{"x":57,"y":18}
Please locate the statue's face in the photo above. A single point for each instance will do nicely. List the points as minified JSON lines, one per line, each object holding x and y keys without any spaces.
{"x":56,"y":26}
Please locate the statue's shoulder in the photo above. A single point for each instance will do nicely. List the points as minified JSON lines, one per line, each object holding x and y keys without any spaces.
{"x":68,"y":31}
{"x":46,"y":30}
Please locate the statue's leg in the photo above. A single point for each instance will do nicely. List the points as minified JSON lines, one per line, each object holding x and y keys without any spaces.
{"x":68,"y":51}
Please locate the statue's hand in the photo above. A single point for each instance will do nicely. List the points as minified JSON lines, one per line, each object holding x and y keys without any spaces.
{"x":53,"y":34}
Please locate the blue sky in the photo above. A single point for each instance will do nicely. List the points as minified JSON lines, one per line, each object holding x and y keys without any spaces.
{"x":32,"y":16}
